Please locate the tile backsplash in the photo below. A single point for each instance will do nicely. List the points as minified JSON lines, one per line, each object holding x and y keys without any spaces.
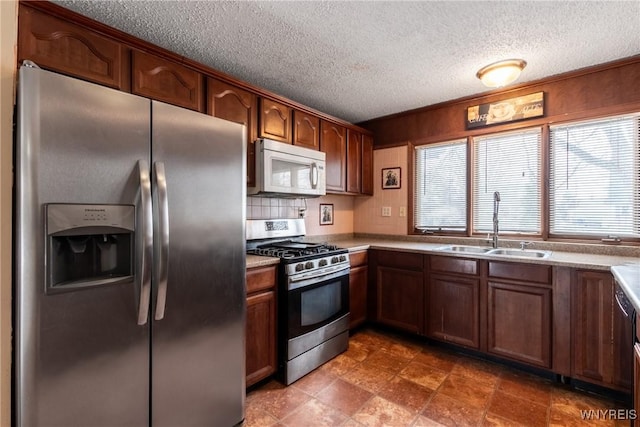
{"x":271,"y":207}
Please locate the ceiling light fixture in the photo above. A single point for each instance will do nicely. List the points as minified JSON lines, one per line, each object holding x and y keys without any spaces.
{"x":501,"y":73}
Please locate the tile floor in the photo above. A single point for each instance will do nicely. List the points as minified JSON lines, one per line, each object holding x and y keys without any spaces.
{"x":389,"y":380}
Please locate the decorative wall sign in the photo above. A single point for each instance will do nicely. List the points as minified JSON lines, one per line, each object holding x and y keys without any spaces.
{"x":508,"y":110}
{"x":390,"y":178}
{"x":326,"y":214}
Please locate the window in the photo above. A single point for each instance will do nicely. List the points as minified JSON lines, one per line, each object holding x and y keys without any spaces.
{"x":508,"y":163}
{"x":595,"y":178}
{"x":440,"y":196}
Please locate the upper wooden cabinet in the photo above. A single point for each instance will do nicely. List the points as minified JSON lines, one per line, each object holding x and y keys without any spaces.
{"x":306,"y":130}
{"x":354,"y":161}
{"x":333,"y":142}
{"x":61,"y":46}
{"x":367,"y":165}
{"x":167,"y":81}
{"x":275,"y":121}
{"x":359,"y":163}
{"x":237,"y":105}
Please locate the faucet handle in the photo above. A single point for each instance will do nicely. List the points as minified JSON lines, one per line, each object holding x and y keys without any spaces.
{"x":524,"y":244}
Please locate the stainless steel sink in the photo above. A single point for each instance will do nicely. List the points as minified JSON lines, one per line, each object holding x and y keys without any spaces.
{"x":465,"y":249}
{"x":520,"y":253}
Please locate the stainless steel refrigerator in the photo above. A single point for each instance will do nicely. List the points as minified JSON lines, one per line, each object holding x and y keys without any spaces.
{"x":130,"y":260}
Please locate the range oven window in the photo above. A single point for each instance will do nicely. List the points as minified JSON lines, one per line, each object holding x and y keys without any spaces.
{"x":320,"y":304}
{"x":316,"y":305}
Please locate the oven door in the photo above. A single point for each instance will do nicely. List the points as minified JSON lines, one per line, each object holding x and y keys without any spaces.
{"x":314,"y":302}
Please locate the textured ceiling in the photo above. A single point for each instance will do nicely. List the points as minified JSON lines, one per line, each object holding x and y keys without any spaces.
{"x":359,"y":60}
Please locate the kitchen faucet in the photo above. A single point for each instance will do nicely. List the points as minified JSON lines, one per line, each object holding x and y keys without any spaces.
{"x":496,"y":205}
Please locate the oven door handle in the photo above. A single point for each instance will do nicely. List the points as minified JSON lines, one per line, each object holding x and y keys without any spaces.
{"x":305,"y":280}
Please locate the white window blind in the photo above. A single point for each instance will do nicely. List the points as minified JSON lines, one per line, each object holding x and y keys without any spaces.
{"x":440,"y":196}
{"x":510,"y":164}
{"x":595,"y":178}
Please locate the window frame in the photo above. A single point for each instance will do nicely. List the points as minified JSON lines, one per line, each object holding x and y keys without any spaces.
{"x":588,"y":237}
{"x":545,"y":171}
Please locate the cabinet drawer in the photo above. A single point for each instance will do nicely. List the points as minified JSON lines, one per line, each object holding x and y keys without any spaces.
{"x":401,"y":260}
{"x":525,"y":272}
{"x":638,"y":326}
{"x":261,"y":278}
{"x":453,"y":265}
{"x":358,"y":258}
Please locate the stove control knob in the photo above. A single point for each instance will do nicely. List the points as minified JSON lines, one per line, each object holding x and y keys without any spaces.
{"x":308,"y":265}
{"x":299,"y":267}
{"x":343,"y":258}
{"x":322,"y":262}
{"x":334,"y":260}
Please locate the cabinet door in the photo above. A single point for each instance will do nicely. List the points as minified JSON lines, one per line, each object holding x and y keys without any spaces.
{"x":306,"y":130}
{"x":453,"y":314}
{"x":237,"y":105}
{"x":519,"y":323}
{"x":367,"y":165}
{"x":399,"y":298}
{"x":592,"y":303}
{"x":261,"y":336}
{"x":333,"y":142}
{"x":358,"y":296}
{"x":60,"y":46}
{"x":275,"y":121}
{"x":354,"y":161}
{"x":167,"y":81}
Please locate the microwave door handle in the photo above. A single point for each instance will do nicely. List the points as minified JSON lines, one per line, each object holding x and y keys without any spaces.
{"x":162,"y":261}
{"x":314,"y":175}
{"x":146,"y":235}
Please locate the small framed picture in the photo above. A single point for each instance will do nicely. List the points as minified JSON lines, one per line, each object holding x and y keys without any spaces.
{"x":326,"y":214}
{"x":390,"y":178}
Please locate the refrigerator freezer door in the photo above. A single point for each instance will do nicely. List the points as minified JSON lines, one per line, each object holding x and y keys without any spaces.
{"x":198,"y":346}
{"x":81,"y":359}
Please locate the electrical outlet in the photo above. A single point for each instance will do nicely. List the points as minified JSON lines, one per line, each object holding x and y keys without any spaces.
{"x":386,"y":211}
{"x":402,"y":211}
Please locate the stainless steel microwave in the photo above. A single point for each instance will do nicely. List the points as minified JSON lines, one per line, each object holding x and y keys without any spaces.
{"x":284,"y":170}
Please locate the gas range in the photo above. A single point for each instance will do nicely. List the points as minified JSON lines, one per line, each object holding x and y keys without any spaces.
{"x":313,"y":294}
{"x":284,"y":238}
{"x":298,"y":256}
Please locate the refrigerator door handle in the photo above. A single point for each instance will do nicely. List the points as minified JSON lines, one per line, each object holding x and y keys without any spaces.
{"x":146,"y":234}
{"x":161,"y":261}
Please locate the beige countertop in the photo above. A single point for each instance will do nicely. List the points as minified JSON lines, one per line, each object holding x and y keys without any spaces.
{"x":628,"y":276}
{"x":559,"y":258}
{"x":587,"y":260}
{"x":261,"y":261}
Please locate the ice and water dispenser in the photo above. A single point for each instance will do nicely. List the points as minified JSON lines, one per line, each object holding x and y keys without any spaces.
{"x":88,"y":245}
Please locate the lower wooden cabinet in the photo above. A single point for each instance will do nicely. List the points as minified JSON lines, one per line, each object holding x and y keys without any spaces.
{"x":399,"y":290}
{"x":519,"y":322}
{"x":261,"y":327}
{"x":453,"y":310}
{"x":358,"y":278}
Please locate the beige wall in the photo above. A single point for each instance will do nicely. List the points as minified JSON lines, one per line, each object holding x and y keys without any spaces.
{"x":8,"y":36}
{"x":368,"y":210}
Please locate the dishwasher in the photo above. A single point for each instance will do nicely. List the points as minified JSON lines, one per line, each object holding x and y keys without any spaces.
{"x":626,"y":308}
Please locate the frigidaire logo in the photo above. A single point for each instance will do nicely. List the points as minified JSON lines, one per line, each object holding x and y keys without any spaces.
{"x":95,"y":210}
